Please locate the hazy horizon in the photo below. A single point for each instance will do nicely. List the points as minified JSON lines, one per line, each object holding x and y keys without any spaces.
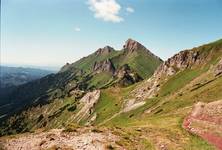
{"x":50,"y":68}
{"x":51,"y":33}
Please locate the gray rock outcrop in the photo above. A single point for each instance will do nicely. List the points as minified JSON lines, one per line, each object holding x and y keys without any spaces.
{"x":104,"y":51}
{"x":104,"y":66}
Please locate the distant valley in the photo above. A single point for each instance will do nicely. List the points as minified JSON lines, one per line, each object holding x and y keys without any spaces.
{"x":14,"y":76}
{"x":11,"y":77}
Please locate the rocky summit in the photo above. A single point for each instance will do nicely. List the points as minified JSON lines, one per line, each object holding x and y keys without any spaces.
{"x":120,"y":99}
{"x":132,"y":45}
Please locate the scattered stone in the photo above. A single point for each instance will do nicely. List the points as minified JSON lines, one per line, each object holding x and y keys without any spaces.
{"x":88,"y":101}
{"x":82,"y":140}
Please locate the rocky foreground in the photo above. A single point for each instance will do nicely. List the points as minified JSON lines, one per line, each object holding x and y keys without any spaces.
{"x":205,"y":121}
{"x":81,"y":139}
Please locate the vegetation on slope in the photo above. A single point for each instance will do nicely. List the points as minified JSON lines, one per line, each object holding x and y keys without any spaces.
{"x":79,"y":76}
{"x":160,"y":119}
{"x":158,"y":123}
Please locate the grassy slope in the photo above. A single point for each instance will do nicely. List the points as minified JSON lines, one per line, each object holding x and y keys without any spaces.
{"x":87,"y":63}
{"x":145,"y":66}
{"x":109,"y":104}
{"x":140,"y":61}
{"x":178,"y":81}
{"x":175,"y":101}
{"x":163,"y":123}
{"x":100,"y":80}
{"x":144,"y":70}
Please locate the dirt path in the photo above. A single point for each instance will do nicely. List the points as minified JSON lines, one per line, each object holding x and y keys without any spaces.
{"x":205,"y":120}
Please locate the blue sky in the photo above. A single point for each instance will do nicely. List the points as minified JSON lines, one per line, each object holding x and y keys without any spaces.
{"x":53,"y":32}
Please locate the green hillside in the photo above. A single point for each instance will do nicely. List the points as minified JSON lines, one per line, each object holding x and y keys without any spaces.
{"x":102,"y":69}
{"x":147,"y":114}
{"x":140,"y":60}
{"x":160,"y":119}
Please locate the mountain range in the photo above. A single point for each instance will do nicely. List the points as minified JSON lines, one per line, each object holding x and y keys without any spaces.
{"x":121,"y":99}
{"x":14,"y":76}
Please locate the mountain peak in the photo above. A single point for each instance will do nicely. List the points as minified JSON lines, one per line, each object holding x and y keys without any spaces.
{"x":105,"y":50}
{"x":133,"y":45}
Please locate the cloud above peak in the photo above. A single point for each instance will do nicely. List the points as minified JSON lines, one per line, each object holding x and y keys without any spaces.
{"x":107,"y":10}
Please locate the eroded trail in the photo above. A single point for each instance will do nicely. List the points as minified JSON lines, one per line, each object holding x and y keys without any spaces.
{"x":205,"y":121}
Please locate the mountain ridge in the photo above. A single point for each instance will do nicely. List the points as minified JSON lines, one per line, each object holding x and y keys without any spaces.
{"x":85,"y":74}
{"x":148,"y":114}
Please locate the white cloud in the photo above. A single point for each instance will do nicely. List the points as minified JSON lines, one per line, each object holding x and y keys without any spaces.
{"x":77,"y":29}
{"x":129,"y":9}
{"x":107,"y":10}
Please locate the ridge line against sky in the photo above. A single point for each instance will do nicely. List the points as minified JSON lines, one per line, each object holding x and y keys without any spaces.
{"x":53,"y":32}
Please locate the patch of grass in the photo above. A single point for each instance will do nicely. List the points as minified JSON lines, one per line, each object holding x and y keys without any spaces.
{"x":125,"y":119}
{"x":140,"y":61}
{"x":178,"y":81}
{"x":145,"y":71}
{"x":147,"y":144}
{"x":109,"y":104}
{"x":100,"y":80}
{"x":198,"y":143}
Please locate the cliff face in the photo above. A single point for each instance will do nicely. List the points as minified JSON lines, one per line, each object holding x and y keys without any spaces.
{"x":199,"y":56}
{"x":104,"y":66}
{"x":195,"y":58}
{"x":179,"y":62}
{"x":126,"y":76}
{"x":183,"y":60}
